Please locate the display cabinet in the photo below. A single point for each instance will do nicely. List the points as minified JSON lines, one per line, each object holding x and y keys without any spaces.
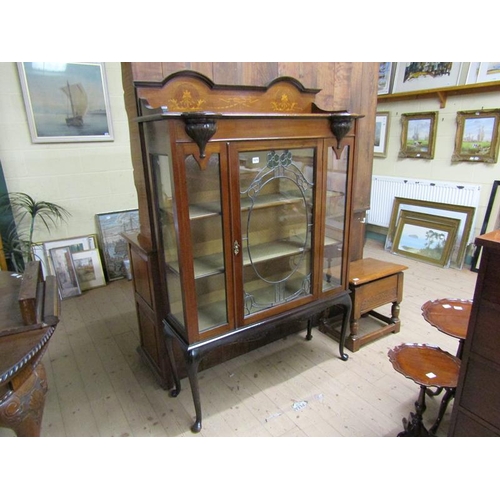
{"x":249,"y":193}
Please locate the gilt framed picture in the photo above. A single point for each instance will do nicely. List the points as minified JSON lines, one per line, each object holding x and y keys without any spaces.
{"x":476,"y":138}
{"x":89,"y":269}
{"x":66,"y":101}
{"x":381,"y":134}
{"x":418,"y":135}
{"x":425,"y":237}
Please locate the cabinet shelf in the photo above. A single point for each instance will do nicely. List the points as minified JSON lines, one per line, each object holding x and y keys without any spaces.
{"x":210,"y":265}
{"x":211,"y":209}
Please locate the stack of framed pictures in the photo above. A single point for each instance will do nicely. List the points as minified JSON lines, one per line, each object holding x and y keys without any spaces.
{"x":436,"y":233}
{"x":111,"y":226}
{"x":75,"y":262}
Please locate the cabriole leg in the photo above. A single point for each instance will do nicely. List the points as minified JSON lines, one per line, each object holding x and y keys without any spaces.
{"x":193,"y":360}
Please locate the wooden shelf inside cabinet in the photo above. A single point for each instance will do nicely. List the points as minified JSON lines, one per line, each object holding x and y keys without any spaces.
{"x":441,"y":93}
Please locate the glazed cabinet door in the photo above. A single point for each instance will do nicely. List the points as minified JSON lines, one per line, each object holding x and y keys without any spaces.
{"x":194,"y":216}
{"x":274,"y":196}
{"x":334,"y":218}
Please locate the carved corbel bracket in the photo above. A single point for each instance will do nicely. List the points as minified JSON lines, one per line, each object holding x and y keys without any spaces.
{"x":201,"y":127}
{"x":341,"y":123}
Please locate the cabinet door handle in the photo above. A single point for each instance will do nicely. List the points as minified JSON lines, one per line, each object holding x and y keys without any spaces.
{"x":236,"y":248}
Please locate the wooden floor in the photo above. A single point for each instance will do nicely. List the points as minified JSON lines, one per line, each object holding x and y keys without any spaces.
{"x":98,"y":385}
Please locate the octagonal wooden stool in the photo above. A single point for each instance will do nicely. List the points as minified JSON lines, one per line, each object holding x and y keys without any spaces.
{"x":428,"y":366}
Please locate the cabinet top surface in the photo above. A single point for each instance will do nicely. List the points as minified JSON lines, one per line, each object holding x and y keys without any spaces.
{"x":366,"y":270}
{"x":489,"y":239}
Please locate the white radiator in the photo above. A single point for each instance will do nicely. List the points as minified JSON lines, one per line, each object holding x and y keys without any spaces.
{"x":385,"y":189}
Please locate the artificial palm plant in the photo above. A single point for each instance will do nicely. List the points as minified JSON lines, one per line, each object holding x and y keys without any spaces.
{"x":27,"y":212}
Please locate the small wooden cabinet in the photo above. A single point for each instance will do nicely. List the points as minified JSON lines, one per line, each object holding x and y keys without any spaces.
{"x":249,"y":193}
{"x":476,"y":410}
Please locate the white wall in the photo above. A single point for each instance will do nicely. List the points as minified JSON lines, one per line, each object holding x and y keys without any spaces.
{"x":440,"y":168}
{"x":85,"y":178}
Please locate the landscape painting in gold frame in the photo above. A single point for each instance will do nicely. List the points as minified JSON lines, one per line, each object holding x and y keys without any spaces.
{"x":425,"y":237}
{"x":477,"y":136}
{"x":418,"y":135}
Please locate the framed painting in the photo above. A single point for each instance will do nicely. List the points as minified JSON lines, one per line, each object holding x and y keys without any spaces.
{"x":488,"y":72}
{"x":89,"y":269}
{"x":424,"y":237}
{"x":465,"y":214}
{"x":41,"y":251}
{"x":419,"y":76}
{"x":111,"y":226}
{"x":491,"y":221}
{"x":476,"y":139}
{"x":418,"y":135}
{"x":385,"y":72}
{"x":381,"y":134}
{"x":65,"y":272}
{"x":66,"y":102}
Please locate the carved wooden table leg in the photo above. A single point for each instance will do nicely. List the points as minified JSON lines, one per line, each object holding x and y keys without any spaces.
{"x":395,"y":309}
{"x":22,"y":410}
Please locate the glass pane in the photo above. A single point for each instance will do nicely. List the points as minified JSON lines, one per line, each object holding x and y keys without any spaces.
{"x":276,"y":189}
{"x":205,"y":215}
{"x":162,"y":168}
{"x":336,"y":185}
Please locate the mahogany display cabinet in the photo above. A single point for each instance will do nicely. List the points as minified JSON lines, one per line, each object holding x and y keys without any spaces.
{"x":249,"y":193}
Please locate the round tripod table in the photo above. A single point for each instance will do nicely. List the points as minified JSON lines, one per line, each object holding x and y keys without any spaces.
{"x":450,"y":316}
{"x":428,"y":366}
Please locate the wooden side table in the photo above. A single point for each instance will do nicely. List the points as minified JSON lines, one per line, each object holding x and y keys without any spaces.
{"x":428,"y":366}
{"x":373,"y":283}
{"x":450,"y":316}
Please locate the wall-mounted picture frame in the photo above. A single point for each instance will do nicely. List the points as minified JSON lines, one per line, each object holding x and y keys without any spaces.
{"x":385,"y":72}
{"x":472,"y":73}
{"x":491,"y":222}
{"x":41,"y":251}
{"x":425,"y":237}
{"x":381,"y":134}
{"x":419,"y":76}
{"x":65,"y":272}
{"x":465,"y":214}
{"x":114,"y":248}
{"x":89,"y":269}
{"x":418,"y":135}
{"x":476,"y":138}
{"x":66,"y":101}
{"x":488,"y":72}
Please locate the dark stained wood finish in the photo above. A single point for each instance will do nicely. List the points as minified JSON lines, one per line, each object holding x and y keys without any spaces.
{"x":426,"y":365}
{"x":476,"y":411}
{"x":350,"y":86}
{"x":26,"y":326}
{"x":450,"y":316}
{"x":334,"y":86}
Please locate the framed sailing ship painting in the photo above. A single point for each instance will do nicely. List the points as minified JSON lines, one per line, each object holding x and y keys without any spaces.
{"x":66,"y":101}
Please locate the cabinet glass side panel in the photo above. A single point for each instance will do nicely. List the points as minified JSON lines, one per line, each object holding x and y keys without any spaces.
{"x":336,"y":187}
{"x":162,"y":168}
{"x":276,"y":193}
{"x":205,"y":217}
